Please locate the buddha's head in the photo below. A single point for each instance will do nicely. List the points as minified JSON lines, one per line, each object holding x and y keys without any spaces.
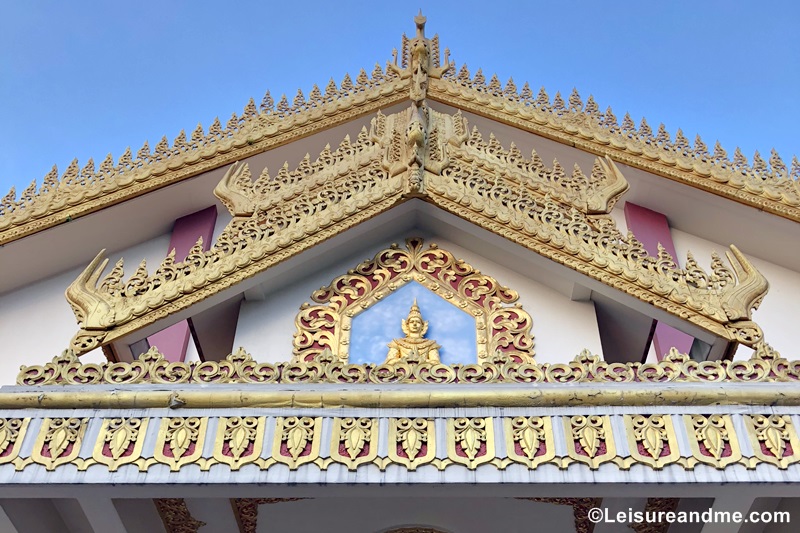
{"x":414,"y":326}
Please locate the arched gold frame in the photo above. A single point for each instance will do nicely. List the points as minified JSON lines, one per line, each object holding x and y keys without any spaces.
{"x":501,"y":327}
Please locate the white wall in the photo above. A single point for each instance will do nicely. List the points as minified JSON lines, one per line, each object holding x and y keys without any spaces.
{"x":36,"y":322}
{"x":561,"y":327}
{"x":779,"y":312}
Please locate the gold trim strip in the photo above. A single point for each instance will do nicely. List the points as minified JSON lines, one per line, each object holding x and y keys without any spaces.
{"x":408,"y":396}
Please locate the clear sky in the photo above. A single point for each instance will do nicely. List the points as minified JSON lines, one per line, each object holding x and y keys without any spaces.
{"x":82,"y":79}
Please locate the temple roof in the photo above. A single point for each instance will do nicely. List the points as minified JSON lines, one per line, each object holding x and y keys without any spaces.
{"x":770,"y":185}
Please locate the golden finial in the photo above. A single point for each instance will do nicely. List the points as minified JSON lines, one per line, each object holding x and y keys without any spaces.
{"x":420,"y":20}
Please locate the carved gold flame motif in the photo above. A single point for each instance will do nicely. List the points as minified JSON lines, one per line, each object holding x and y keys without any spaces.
{"x":651,"y":432}
{"x":62,"y":433}
{"x":9,"y":431}
{"x":356,"y":433}
{"x":711,"y":431}
{"x":470,"y":433}
{"x":120,"y":434}
{"x":589,"y":432}
{"x":773,"y":431}
{"x":529,"y":433}
{"x":297,"y":432}
{"x":412,"y":434}
{"x":240,"y":432}
{"x":181,"y":433}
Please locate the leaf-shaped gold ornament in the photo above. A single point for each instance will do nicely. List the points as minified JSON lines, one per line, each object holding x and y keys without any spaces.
{"x":470,"y":441}
{"x":411,"y":442}
{"x":589,"y":440}
{"x":59,"y":441}
{"x":120,"y":440}
{"x":773,"y":439}
{"x":296,"y":439}
{"x":5,"y":438}
{"x":652,"y":441}
{"x":354,"y":439}
{"x":179,"y":442}
{"x":528,"y":440}
{"x":712,"y":439}
{"x":238,"y":441}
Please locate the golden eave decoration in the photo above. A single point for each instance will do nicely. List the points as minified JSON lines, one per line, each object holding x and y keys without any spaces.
{"x":424,"y":154}
{"x":770,"y":185}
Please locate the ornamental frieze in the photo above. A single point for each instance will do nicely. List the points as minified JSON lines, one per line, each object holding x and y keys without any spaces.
{"x":768,"y":184}
{"x":654,"y":441}
{"x":766,"y":365}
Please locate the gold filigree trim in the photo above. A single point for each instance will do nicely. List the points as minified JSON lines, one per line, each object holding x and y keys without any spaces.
{"x":500,"y":326}
{"x":176,"y":516}
{"x":528,"y":442}
{"x":766,"y":365}
{"x":559,"y":217}
{"x":771,"y":186}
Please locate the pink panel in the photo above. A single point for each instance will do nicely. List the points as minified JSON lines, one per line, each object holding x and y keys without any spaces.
{"x":173,"y":341}
{"x":652,"y":228}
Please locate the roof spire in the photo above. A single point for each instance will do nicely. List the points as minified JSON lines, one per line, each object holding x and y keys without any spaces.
{"x":420,"y":20}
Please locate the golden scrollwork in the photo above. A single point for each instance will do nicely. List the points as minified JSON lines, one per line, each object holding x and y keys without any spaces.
{"x":12,"y":432}
{"x":773,"y":439}
{"x":297,"y":440}
{"x":412,"y":441}
{"x":239,"y":440}
{"x":59,"y":441}
{"x":354,"y":441}
{"x":558,"y":216}
{"x":769,"y":185}
{"x":713,"y":439}
{"x":652,"y":440}
{"x":590,"y":439}
{"x":500,"y":327}
{"x":120,"y":441}
{"x":765,"y":186}
{"x":529,"y":440}
{"x":180,"y":441}
{"x":176,"y":517}
{"x":470,"y":441}
{"x":766,"y":365}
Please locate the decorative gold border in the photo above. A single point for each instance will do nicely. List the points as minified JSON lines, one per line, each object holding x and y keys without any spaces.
{"x":766,"y":365}
{"x":532,"y":433}
{"x":654,"y":433}
{"x":470,"y":436}
{"x":79,"y":192}
{"x":300,"y":433}
{"x":179,"y":434}
{"x":500,"y":327}
{"x":411,"y":434}
{"x":713,"y":433}
{"x":240,"y":434}
{"x":126,"y":433}
{"x":354,"y":434}
{"x":779,"y":437}
{"x":470,"y":442}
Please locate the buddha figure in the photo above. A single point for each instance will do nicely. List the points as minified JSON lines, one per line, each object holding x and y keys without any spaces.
{"x":413,"y":347}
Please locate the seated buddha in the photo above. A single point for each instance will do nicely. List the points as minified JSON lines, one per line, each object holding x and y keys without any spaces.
{"x":413,"y":347}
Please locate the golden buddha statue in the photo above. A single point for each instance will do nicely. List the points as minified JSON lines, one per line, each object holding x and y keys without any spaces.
{"x":413,"y":347}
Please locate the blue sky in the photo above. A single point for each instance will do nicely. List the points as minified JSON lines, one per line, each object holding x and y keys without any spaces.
{"x":452,"y":328}
{"x":82,"y":79}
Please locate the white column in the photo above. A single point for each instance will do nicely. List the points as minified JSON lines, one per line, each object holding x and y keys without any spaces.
{"x":102,"y":515}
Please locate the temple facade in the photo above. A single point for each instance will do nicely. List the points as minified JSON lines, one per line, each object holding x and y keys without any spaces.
{"x":418,"y":301}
